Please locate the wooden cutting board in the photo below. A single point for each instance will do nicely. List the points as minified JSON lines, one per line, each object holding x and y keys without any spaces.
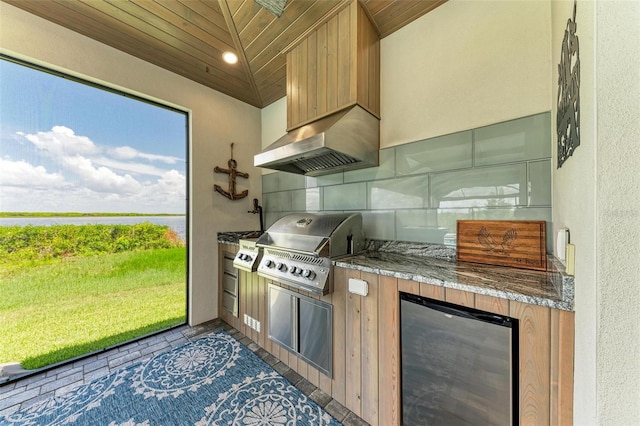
{"x":515,"y":243}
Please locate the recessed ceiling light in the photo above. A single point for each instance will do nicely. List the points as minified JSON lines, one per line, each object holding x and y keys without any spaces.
{"x":230,"y":57}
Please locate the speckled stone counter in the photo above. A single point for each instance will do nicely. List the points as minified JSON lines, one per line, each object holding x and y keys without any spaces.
{"x":233,"y":237}
{"x":436,"y":265}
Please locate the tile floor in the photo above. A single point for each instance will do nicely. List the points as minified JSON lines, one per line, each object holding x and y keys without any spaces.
{"x":59,"y":380}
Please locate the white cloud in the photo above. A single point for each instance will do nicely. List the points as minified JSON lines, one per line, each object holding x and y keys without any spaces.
{"x":129,"y":153}
{"x":88,"y":177}
{"x":124,"y":152}
{"x":101,"y":179}
{"x":171,"y":185}
{"x":135,"y":168}
{"x":62,"y":141}
{"x":23,"y":174}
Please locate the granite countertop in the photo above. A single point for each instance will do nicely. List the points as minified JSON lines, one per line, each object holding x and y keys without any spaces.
{"x":436,"y":265}
{"x":233,"y":237}
{"x":552,"y":289}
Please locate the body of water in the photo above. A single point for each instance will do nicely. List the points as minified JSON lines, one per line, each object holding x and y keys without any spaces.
{"x":177,"y":223}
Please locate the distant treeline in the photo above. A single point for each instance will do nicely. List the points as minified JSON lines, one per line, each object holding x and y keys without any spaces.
{"x":25,"y":243}
{"x":74,"y":214}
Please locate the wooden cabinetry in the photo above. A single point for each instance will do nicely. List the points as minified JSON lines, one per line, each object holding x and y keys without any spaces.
{"x":252,"y":301}
{"x":546,"y":350}
{"x":336,"y":66}
{"x":366,"y":345}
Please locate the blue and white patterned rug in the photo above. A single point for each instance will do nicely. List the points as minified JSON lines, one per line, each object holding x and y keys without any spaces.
{"x":215,"y":380}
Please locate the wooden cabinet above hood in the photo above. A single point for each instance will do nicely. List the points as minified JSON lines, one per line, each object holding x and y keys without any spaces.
{"x":335,"y":67}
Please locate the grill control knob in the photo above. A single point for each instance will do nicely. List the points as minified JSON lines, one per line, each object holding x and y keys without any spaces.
{"x":293,"y":269}
{"x":281,"y":267}
{"x":268,"y":263}
{"x":309,"y":274}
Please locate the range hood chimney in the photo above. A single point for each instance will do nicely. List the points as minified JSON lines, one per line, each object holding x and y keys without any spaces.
{"x":333,"y":98}
{"x":346,"y":140}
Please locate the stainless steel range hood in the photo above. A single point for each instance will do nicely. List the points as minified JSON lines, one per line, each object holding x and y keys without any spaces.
{"x":346,"y":140}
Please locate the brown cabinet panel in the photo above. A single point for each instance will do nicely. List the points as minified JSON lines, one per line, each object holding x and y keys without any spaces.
{"x":492,"y":304}
{"x":370,"y":358}
{"x":366,"y":345}
{"x":562,"y":365}
{"x":535,"y":333}
{"x":312,"y":75}
{"x":389,"y":347}
{"x":336,"y":66}
{"x":432,"y":291}
{"x":408,"y":286}
{"x":459,"y":297}
{"x":338,"y":385}
{"x":354,"y":353}
{"x":344,"y":58}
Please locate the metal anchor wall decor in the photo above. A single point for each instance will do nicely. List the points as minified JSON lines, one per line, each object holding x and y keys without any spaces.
{"x":233,"y":173}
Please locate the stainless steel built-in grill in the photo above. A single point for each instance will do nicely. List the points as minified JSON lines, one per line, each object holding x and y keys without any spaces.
{"x":299,"y":248}
{"x":248,"y":256}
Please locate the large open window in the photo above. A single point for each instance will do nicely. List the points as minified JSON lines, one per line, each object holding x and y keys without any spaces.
{"x":93,"y":216}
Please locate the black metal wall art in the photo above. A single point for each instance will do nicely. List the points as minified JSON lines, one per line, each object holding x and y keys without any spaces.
{"x":568,"y":118}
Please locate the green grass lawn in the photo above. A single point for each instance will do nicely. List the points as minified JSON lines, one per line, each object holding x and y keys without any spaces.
{"x":58,"y":309}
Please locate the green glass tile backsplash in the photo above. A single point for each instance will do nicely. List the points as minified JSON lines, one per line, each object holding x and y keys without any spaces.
{"x":421,"y":189}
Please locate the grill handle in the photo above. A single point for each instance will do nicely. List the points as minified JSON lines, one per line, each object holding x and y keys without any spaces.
{"x":306,"y":253}
{"x":294,"y":250}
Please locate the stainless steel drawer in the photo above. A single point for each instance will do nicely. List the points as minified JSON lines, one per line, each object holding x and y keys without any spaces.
{"x":227,"y":265}
{"x":230,"y":284}
{"x":230,"y":303}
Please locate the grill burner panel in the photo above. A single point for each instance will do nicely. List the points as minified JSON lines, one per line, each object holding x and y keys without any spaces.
{"x":299,"y":248}
{"x":248,"y":256}
{"x":308,"y":273}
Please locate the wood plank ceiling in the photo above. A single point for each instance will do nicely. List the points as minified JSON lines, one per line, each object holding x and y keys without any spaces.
{"x":188,"y":37}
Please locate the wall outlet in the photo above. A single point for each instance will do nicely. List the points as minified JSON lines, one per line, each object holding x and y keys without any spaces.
{"x":357,"y":286}
{"x":252,"y":323}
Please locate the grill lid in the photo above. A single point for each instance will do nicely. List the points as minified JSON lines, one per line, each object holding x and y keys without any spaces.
{"x":299,"y":248}
{"x":310,"y":233}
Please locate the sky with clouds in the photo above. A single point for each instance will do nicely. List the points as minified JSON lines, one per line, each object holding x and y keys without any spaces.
{"x":69,"y":147}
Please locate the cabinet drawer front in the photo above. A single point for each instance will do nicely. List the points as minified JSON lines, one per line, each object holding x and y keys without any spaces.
{"x":230,"y":284}
{"x":228,"y":265}
{"x":282,"y":317}
{"x":316,"y":334}
{"x":230,"y":303}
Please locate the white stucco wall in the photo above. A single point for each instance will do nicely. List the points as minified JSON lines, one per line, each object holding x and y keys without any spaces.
{"x":216,"y":121}
{"x":574,"y":192}
{"x":617,"y":89}
{"x":464,"y":65}
{"x":595,"y":194}
{"x":274,"y":122}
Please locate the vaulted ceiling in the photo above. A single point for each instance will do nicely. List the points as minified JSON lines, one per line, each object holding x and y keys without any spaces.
{"x":188,"y":37}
